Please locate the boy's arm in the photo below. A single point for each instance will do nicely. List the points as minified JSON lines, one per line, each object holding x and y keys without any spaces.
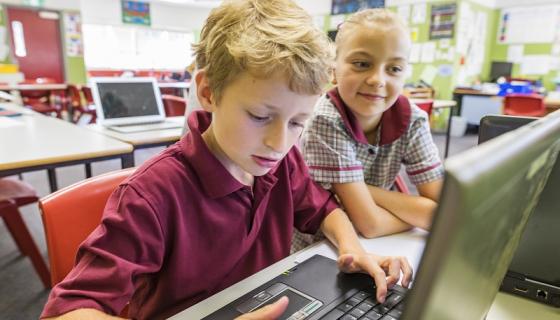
{"x":84,"y":314}
{"x":369,"y":218}
{"x":386,"y":271}
{"x":412,"y":209}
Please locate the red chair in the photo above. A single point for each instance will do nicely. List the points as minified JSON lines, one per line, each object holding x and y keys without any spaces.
{"x":78,"y":106}
{"x":426,"y":105}
{"x":42,"y":100}
{"x":529,"y":105}
{"x":401,"y":186}
{"x":86,"y":91}
{"x":174,"y":106}
{"x":79,"y":206}
{"x":14,"y":194}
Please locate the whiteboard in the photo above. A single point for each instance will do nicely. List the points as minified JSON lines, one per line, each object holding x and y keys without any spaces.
{"x":535,"y":24}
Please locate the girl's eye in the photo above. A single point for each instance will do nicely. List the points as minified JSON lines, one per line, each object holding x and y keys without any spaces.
{"x":361,"y":64}
{"x":396,"y":69}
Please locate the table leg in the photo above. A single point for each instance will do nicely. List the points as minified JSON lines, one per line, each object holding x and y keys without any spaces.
{"x":447,"y":135}
{"x":127,"y":160}
{"x":88,"y":170}
{"x":52,"y":179}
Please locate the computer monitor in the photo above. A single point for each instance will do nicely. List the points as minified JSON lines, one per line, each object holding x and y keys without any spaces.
{"x":500,"y":69}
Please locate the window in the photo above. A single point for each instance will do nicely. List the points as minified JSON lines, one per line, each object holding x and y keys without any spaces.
{"x":125,"y":47}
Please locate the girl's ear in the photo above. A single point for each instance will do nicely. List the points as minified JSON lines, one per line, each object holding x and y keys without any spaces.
{"x":203,"y":92}
{"x":334,"y":76}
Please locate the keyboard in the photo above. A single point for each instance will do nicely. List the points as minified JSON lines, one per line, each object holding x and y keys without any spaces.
{"x":364,"y":306}
{"x":146,"y":127}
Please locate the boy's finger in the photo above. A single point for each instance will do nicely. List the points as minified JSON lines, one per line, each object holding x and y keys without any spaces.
{"x":375,"y":271}
{"x":394,"y":272}
{"x":345,"y":262}
{"x":269,"y":312}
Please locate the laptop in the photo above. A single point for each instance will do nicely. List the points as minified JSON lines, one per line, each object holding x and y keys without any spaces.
{"x":534,"y":272}
{"x":129,"y":104}
{"x":488,"y":195}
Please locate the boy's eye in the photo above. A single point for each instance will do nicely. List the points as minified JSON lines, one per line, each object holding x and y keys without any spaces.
{"x":296,"y":124}
{"x":257,"y":118}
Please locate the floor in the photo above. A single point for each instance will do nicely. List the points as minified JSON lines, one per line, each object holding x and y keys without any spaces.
{"x":21,"y":293}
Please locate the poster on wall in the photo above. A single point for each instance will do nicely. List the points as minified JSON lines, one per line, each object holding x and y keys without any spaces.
{"x":349,"y":6}
{"x":442,"y":21}
{"x":530,"y":24}
{"x":135,"y":12}
{"x":73,"y":34}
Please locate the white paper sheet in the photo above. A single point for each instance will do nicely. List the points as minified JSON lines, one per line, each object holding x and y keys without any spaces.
{"x":419,"y":13}
{"x":428,"y":52}
{"x":535,"y":64}
{"x":415,"y":50}
{"x":404,"y":12}
{"x":515,"y":53}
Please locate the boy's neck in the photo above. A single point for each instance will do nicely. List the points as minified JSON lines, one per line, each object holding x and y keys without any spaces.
{"x":369,"y":125}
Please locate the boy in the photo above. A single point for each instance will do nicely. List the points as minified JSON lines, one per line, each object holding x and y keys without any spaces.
{"x":221,"y":204}
{"x":363,"y":130}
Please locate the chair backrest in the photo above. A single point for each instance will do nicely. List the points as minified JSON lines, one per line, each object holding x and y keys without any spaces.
{"x":86,"y":91}
{"x":426,"y":105}
{"x":74,"y":96}
{"x":71,"y":214}
{"x":401,"y":186}
{"x":531,"y":105}
{"x":174,"y":106}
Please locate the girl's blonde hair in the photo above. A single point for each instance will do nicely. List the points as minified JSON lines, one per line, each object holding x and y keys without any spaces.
{"x":263,"y":37}
{"x":377,"y":18}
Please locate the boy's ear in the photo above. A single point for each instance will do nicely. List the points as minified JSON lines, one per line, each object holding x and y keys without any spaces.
{"x":203,"y":92}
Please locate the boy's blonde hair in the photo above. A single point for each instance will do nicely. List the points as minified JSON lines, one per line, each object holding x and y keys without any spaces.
{"x":370,"y":18}
{"x":263,"y":37}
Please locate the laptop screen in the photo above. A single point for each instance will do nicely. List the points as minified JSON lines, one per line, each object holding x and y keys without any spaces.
{"x":127,"y":99}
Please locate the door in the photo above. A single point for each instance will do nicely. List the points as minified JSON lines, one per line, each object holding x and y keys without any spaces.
{"x":36,"y":42}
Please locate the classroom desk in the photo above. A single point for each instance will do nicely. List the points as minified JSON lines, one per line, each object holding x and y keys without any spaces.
{"x":34,"y":86}
{"x":409,"y":244}
{"x":33,"y":141}
{"x":442,"y":104}
{"x":144,"y":139}
{"x":552,"y":104}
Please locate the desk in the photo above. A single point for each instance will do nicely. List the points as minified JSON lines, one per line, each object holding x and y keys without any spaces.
{"x":144,"y":139}
{"x":35,"y":86}
{"x":33,"y":141}
{"x":409,"y":244}
{"x":442,"y":104}
{"x":552,"y":104}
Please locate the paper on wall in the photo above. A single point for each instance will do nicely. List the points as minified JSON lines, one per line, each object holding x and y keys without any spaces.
{"x":515,"y":53}
{"x":555,"y":63}
{"x":408,"y":72}
{"x":555,"y":49}
{"x":419,"y":13}
{"x":415,"y":53}
{"x":429,"y":74}
{"x":319,"y":22}
{"x":444,"y":43}
{"x":428,"y":52}
{"x":414,"y":34}
{"x":535,"y":64}
{"x":404,"y":12}
{"x":4,"y":51}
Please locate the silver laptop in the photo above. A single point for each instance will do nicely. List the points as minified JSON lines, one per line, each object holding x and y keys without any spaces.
{"x":488,"y":195}
{"x":129,"y":104}
{"x":534,"y":272}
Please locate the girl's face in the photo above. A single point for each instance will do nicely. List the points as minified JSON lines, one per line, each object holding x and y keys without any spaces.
{"x":370,"y":68}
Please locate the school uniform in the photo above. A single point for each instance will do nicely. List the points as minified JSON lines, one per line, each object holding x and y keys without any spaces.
{"x":337,"y":150}
{"x":181,"y":228}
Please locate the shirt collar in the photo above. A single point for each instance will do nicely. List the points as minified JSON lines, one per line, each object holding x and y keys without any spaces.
{"x":394,"y":121}
{"x":216,"y":181}
{"x":214,"y":178}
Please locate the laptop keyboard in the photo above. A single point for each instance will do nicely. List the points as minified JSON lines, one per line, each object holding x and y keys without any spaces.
{"x":364,"y":306}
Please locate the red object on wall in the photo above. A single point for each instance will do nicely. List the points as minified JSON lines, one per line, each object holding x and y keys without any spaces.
{"x":41,"y":34}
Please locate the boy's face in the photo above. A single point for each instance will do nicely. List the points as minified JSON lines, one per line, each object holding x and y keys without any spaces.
{"x":255,"y":124}
{"x":370,"y":68}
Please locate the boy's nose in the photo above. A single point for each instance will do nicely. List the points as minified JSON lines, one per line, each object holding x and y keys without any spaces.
{"x":276,"y":139}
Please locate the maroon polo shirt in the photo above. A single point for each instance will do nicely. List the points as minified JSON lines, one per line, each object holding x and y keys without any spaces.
{"x":181,"y":228}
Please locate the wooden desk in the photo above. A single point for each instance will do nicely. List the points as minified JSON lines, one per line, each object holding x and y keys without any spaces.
{"x":144,"y":139}
{"x":442,"y":104}
{"x":552,"y":104}
{"x":33,"y":141}
{"x":409,"y":244}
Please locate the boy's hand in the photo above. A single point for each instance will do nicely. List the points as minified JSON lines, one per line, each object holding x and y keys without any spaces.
{"x":386,"y":271}
{"x":269,"y":312}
